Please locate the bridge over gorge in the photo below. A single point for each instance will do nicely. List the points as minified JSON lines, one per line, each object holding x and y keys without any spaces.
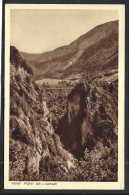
{"x":58,"y":88}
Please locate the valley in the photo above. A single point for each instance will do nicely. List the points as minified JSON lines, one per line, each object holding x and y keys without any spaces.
{"x":64,"y":110}
{"x":94,"y":51}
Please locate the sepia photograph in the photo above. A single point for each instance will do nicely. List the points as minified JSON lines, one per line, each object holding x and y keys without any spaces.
{"x":65,"y":75}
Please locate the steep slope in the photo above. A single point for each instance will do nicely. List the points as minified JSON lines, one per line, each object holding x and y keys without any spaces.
{"x":35,"y":151}
{"x":95,"y":50}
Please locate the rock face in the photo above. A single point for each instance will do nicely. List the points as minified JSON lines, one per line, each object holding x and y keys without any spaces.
{"x":36,"y":152}
{"x":92,"y":112}
{"x":96,"y":50}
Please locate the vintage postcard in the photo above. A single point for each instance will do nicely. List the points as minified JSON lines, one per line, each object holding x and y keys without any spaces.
{"x":64,"y":96}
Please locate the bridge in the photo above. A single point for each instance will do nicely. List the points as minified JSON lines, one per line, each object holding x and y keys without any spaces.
{"x":58,"y":88}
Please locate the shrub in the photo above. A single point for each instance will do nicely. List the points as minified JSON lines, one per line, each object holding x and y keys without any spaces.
{"x":36,"y":87}
{"x":28,"y":79}
{"x":14,"y":109}
{"x":18,"y":78}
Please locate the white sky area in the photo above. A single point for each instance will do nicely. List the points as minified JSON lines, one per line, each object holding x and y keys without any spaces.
{"x":37,"y":31}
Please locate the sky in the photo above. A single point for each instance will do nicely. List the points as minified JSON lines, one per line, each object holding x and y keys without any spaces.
{"x":38,"y":31}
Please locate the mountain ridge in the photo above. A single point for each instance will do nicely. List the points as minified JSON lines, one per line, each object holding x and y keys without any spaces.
{"x":54,"y":63}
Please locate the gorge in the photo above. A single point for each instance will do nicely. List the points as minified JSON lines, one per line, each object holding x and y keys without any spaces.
{"x":66,"y":133}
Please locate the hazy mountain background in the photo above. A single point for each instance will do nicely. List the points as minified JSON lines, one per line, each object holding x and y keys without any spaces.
{"x":93,"y":51}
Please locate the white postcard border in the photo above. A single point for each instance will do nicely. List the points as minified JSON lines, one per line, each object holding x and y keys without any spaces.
{"x":121,"y":94}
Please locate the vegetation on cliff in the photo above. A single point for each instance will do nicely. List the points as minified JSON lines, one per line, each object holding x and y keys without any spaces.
{"x":36,"y":152}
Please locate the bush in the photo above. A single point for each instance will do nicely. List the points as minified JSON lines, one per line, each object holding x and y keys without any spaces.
{"x":36,"y":87}
{"x":14,"y":109}
{"x":18,"y":78}
{"x":28,"y":79}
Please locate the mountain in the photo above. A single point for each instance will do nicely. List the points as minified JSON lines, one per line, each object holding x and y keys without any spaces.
{"x":94,"y":51}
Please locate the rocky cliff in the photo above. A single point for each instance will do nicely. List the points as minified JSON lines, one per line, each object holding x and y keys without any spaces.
{"x":92,"y":112}
{"x":35,"y":151}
